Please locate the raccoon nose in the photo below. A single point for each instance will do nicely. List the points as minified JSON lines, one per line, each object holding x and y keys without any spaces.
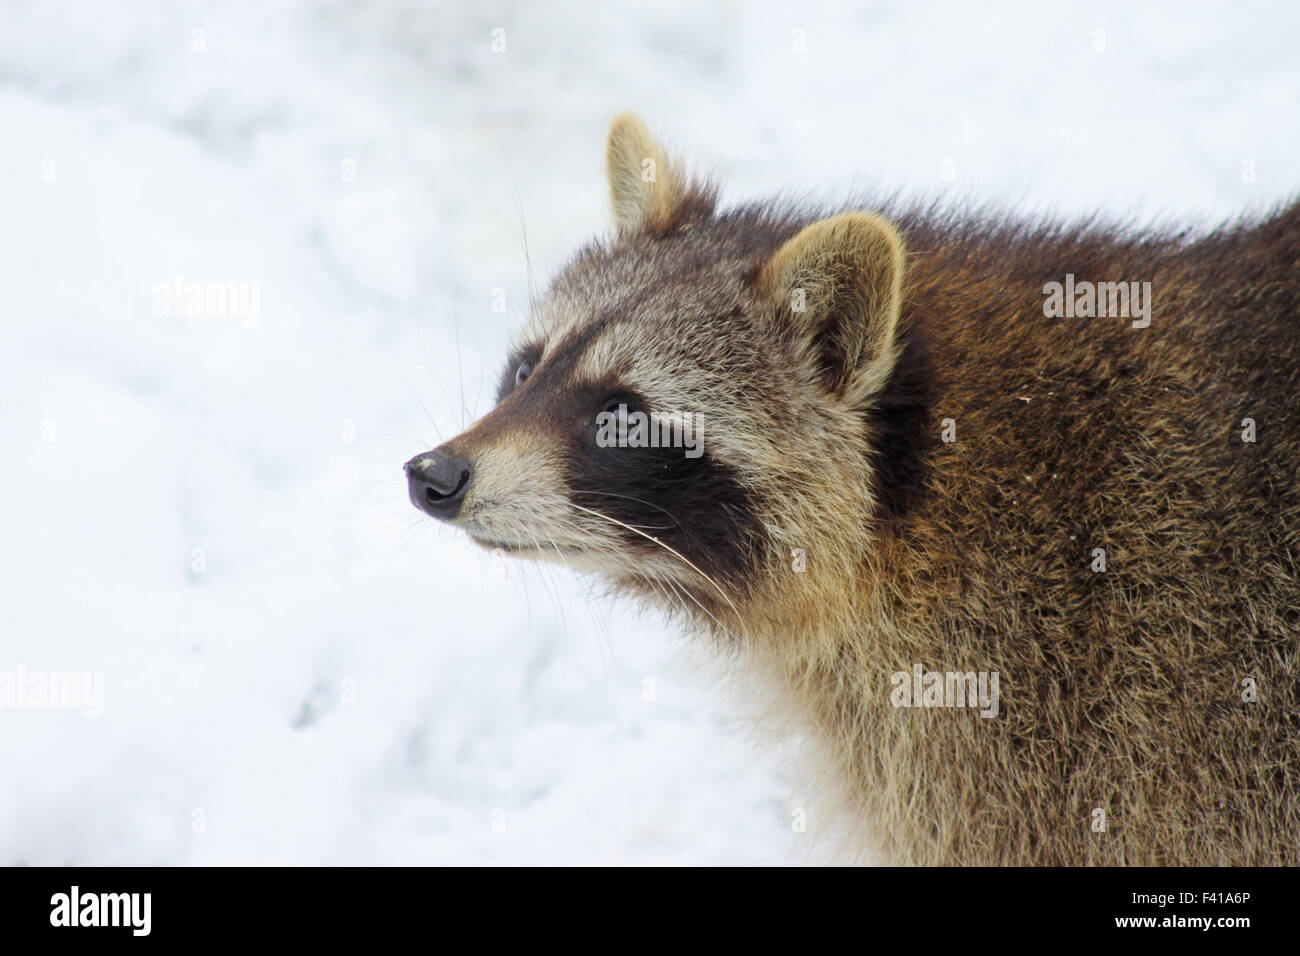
{"x":438,"y":482}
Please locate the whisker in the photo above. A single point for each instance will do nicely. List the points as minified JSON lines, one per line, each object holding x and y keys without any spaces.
{"x":649,"y":504}
{"x":447,"y":392}
{"x":416,"y":395}
{"x":554,"y":592}
{"x":385,"y":501}
{"x":479,"y":394}
{"x":402,"y":547}
{"x":460,"y":374}
{"x":518,"y":200}
{"x":681,"y":557}
{"x":400,"y":521}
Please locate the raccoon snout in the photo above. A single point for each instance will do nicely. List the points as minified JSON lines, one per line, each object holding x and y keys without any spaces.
{"x":438,"y":483}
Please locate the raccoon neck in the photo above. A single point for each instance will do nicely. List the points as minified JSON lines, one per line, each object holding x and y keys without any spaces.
{"x":834,"y":632}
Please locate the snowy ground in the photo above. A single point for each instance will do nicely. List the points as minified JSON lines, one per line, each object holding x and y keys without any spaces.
{"x":209,"y":510}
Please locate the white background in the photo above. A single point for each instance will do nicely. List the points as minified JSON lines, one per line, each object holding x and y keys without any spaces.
{"x":343,"y":682}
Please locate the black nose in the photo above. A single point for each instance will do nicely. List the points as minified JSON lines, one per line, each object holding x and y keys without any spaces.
{"x":438,"y":482}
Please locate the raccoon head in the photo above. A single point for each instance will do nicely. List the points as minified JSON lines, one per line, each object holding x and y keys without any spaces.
{"x":686,"y":410}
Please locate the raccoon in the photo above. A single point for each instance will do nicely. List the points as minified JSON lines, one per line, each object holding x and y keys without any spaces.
{"x":914,"y":463}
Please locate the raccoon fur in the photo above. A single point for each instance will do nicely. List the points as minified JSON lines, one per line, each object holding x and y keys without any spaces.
{"x":910,"y":463}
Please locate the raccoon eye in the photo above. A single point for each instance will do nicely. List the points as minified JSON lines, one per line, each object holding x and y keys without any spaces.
{"x":521,"y":374}
{"x":620,"y":416}
{"x":619,"y":406}
{"x":616,"y":411}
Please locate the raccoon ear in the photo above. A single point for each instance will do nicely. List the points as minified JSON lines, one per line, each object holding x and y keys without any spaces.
{"x":649,"y":194}
{"x":839,"y":281}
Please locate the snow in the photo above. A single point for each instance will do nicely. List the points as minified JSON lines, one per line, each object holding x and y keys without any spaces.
{"x":209,"y":511}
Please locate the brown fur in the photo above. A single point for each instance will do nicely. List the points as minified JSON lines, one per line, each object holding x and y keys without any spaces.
{"x":1121,"y":690}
